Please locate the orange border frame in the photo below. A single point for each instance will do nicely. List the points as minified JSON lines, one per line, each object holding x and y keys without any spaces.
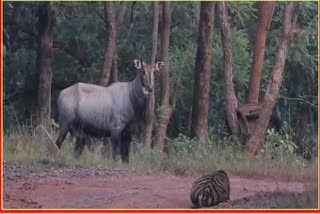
{"x":158,"y":211}
{"x":138,"y":210}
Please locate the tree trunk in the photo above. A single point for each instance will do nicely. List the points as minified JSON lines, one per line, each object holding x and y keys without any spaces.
{"x":119,"y":19}
{"x":151,"y":100}
{"x":114,"y":67}
{"x":231,"y":101}
{"x":44,"y":60}
{"x":165,"y":109}
{"x":265,"y":13}
{"x":201,"y":89}
{"x":274,"y":83}
{"x":110,"y":24}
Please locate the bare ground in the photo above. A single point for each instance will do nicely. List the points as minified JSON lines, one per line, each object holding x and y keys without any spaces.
{"x":100,"y":188}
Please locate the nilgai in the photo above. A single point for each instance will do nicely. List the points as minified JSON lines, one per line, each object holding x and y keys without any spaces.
{"x":92,"y":110}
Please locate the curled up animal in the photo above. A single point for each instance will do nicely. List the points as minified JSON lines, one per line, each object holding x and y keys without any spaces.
{"x":210,"y":190}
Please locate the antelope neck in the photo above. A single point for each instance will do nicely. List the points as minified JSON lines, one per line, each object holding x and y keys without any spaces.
{"x":137,"y":97}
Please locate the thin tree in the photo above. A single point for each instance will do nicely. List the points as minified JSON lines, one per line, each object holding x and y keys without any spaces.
{"x":231,"y":101}
{"x":165,"y":109}
{"x":200,"y":106}
{"x":265,"y":14}
{"x":44,"y":61}
{"x":151,"y":99}
{"x":275,"y":80}
{"x":110,"y":25}
{"x":119,"y":20}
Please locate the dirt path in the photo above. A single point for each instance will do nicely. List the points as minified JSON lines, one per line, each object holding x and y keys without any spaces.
{"x":78,"y":188}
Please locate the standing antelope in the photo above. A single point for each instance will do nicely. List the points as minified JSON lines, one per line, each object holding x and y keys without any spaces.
{"x":92,"y":110}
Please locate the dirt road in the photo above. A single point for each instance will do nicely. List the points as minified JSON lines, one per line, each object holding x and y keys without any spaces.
{"x":100,"y":188}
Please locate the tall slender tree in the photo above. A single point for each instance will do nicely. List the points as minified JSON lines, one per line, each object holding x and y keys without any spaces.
{"x":265,"y":14}
{"x":110,"y":24}
{"x":165,"y":109}
{"x":200,"y":106}
{"x":275,"y":80}
{"x":44,"y":61}
{"x":119,"y":20}
{"x":231,"y":101}
{"x":151,"y":99}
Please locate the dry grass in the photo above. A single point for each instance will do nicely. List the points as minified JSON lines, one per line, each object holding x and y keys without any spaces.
{"x":26,"y":148}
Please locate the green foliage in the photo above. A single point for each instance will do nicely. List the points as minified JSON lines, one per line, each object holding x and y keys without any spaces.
{"x":181,"y":61}
{"x":182,"y":146}
{"x":241,"y":13}
{"x":242,"y":60}
{"x":278,"y":144}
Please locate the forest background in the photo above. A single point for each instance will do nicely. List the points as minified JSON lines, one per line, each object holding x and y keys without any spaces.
{"x":211,"y":102}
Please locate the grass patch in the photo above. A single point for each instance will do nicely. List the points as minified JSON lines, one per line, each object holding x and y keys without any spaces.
{"x":185,"y":157}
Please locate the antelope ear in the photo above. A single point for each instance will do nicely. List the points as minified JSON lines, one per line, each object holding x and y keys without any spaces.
{"x":137,"y":64}
{"x":159,"y":66}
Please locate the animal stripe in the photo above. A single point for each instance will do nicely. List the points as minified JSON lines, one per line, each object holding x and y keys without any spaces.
{"x":210,"y":190}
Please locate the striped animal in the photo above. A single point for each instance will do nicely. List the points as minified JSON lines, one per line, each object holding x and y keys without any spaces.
{"x":210,"y":190}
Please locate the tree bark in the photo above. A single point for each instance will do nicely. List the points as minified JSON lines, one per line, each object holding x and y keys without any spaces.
{"x":265,"y":13}
{"x":119,"y":19}
{"x":165,"y":109}
{"x":201,"y":89}
{"x":151,"y":99}
{"x":44,"y":61}
{"x":275,"y":80}
{"x":231,"y":101}
{"x":114,"y":67}
{"x":110,"y":24}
